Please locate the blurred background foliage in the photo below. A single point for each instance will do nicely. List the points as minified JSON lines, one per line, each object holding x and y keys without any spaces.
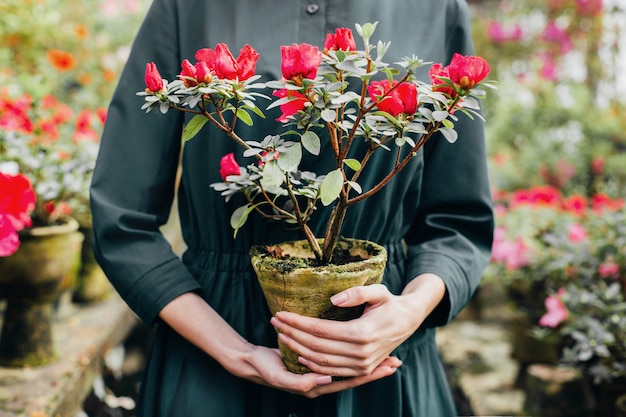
{"x":558,"y":116}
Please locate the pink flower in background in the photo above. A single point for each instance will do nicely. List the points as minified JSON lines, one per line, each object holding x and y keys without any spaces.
{"x":500,"y":33}
{"x":608,"y":269}
{"x":514,"y":254}
{"x":556,"y":310}
{"x":548,"y":69}
{"x":553,"y":33}
{"x":590,"y":8}
{"x":577,"y":233}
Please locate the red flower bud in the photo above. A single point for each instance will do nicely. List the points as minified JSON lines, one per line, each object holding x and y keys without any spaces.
{"x":246,"y":62}
{"x":229,"y":166}
{"x":300,"y":61}
{"x":154,"y":81}
{"x":341,"y":40}
{"x":188,"y":72}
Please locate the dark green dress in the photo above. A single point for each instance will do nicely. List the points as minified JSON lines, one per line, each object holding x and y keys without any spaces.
{"x":440,"y":206}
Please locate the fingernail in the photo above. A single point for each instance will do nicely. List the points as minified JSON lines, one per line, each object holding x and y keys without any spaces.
{"x":324,"y":380}
{"x":283,"y":338}
{"x":338,"y":299}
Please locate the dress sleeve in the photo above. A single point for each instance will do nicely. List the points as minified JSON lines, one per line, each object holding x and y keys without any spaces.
{"x":452,"y":233}
{"x":134,"y":179}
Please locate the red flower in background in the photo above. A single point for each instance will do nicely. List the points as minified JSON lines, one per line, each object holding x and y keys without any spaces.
{"x":17,"y":200}
{"x":61,"y":60}
{"x":590,"y":8}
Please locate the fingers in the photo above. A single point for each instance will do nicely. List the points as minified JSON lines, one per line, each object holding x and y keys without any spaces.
{"x":385,"y":369}
{"x":355,"y":296}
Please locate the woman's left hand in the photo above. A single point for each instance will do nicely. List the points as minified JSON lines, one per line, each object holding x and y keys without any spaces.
{"x":356,"y":347}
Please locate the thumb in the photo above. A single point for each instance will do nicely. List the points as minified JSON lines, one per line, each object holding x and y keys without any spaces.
{"x":356,"y":296}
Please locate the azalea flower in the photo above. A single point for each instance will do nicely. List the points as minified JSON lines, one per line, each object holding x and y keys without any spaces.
{"x":556,"y":310}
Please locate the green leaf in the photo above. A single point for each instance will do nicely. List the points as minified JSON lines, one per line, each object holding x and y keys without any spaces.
{"x":289,"y":160}
{"x":311,"y":142}
{"x":239,"y":217}
{"x":353,"y":164}
{"x":451,"y":135}
{"x":193,"y":127}
{"x":355,"y":186}
{"x":244,"y":116}
{"x":331,"y":187}
{"x":447,"y":123}
{"x":440,"y":115}
{"x":272,"y":175}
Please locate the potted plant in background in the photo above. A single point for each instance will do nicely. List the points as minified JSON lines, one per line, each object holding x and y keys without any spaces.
{"x":587,"y":313}
{"x":564,"y":273}
{"x":350,"y":94}
{"x":42,"y":140}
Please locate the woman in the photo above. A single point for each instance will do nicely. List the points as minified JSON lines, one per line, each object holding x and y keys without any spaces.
{"x":214,"y":351}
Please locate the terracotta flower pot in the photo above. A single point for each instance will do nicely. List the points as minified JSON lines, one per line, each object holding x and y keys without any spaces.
{"x":289,"y":284}
{"x":31,"y":280}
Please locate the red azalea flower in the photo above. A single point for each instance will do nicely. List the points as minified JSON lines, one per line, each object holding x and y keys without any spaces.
{"x":246,"y":62}
{"x":153,"y":79}
{"x":294,"y":105}
{"x":14,"y":114}
{"x":224,"y":64}
{"x":229,"y":166}
{"x":576,"y":204}
{"x":436,"y":72}
{"x":300,"y":61}
{"x":341,"y":40}
{"x":401,"y":100}
{"x":467,"y":71}
{"x":17,"y":199}
{"x":9,"y":240}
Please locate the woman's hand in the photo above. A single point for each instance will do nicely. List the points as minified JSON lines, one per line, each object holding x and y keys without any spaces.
{"x":268,"y":369}
{"x":195,"y":320}
{"x":356,"y":348}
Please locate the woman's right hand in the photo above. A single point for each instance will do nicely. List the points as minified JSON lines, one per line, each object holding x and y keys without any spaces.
{"x":268,"y":369}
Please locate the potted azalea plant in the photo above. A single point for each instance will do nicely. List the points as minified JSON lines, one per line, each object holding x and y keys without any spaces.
{"x":348,"y":94}
{"x":42,"y":141}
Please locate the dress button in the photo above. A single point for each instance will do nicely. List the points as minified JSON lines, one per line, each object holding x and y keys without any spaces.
{"x":294,"y":414}
{"x":311,"y":9}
